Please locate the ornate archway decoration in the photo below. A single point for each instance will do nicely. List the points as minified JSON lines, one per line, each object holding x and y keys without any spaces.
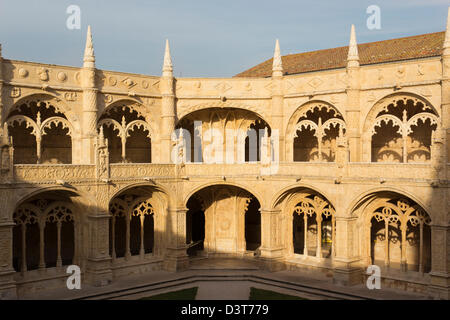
{"x":397,"y":213}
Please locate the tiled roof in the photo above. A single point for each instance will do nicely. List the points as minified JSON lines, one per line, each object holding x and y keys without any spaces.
{"x":421,"y":46}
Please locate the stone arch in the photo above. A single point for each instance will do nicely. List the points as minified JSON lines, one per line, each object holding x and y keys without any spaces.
{"x":401,"y":136}
{"x":308,"y":222}
{"x":277,"y":198}
{"x":158,"y":187}
{"x":336,"y":121}
{"x":130,"y":131}
{"x":362,"y":197}
{"x":61,"y":106}
{"x":234,"y":184}
{"x":88,"y":199}
{"x":231,"y":220}
{"x":138,"y":221}
{"x":138,"y":106}
{"x":207,"y":129}
{"x":54,"y":130}
{"x":55,"y":237}
{"x":383,"y":102}
{"x":394,"y":231}
{"x":219,"y":104}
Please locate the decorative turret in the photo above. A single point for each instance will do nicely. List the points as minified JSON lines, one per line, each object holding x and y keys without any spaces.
{"x":90,"y":108}
{"x":353,"y":98}
{"x":445,"y":96}
{"x":277,"y":102}
{"x":446,"y":46}
{"x":89,"y":57}
{"x":168,"y":109}
{"x":353,"y":57}
{"x":277,"y":67}
{"x":167,"y":65}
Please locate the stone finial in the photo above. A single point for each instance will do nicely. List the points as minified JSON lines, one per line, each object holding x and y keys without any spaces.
{"x":446,"y":45}
{"x":101,"y":134}
{"x":277,"y":67}
{"x":89,"y":57}
{"x":167,"y":66}
{"x":353,"y":46}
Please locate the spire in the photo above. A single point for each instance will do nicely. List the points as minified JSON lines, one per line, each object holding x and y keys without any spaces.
{"x":167,"y":66}
{"x":447,"y":34}
{"x":89,"y":57}
{"x":353,"y":46}
{"x":277,"y":67}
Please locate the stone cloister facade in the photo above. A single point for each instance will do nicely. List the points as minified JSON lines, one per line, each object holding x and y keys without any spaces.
{"x":357,"y":172}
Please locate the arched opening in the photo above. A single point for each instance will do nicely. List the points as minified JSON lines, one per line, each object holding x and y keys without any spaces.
{"x":253,"y":226}
{"x":309,"y":223}
{"x":397,"y":231}
{"x":134,"y":223}
{"x":41,"y":132}
{"x":223,"y":135}
{"x":45,"y":232}
{"x":128,"y":133}
{"x":315,"y":133}
{"x":402,"y":130}
{"x":195,"y":227}
{"x":223,"y":219}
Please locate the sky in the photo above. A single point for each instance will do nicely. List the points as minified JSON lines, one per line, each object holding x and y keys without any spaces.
{"x":208,"y":38}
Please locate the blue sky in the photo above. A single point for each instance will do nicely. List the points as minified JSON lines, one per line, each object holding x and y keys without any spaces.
{"x":208,"y":38}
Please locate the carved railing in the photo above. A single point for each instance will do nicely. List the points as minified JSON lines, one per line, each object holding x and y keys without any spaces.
{"x":42,"y":173}
{"x":141,"y":170}
{"x":52,"y":172}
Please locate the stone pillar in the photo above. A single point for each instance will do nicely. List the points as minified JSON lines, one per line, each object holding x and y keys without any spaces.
{"x":176,"y":258}
{"x":168,"y":112}
{"x":98,"y":270}
{"x":440,"y":155}
{"x":439,"y":287}
{"x":346,"y":272}
{"x":7,"y":283}
{"x":353,"y":100}
{"x":271,"y":247}
{"x":277,"y":112}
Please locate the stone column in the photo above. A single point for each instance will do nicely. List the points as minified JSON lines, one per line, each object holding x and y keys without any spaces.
{"x":98,"y":270}
{"x":440,"y":265}
{"x":271,"y":248}
{"x":346,"y":272}
{"x":176,"y":258}
{"x":440,"y":229}
{"x":7,"y":283}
